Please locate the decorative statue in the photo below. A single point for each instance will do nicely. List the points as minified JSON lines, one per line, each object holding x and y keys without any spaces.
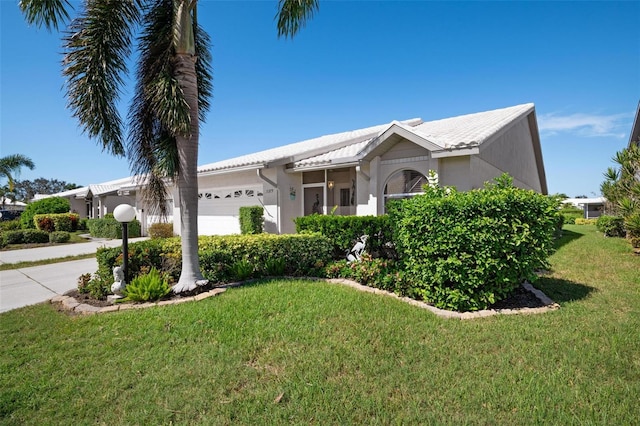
{"x":356,"y":252}
{"x":119,"y":284}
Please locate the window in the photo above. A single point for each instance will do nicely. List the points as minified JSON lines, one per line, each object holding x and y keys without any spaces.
{"x":344,"y":197}
{"x":404,"y":184}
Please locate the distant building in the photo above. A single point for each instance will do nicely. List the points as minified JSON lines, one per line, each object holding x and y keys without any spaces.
{"x":593,"y":208}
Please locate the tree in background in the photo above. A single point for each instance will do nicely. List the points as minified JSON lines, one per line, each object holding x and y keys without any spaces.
{"x":171,"y":96}
{"x":10,"y":166}
{"x":25,"y":190}
{"x":622,"y":188}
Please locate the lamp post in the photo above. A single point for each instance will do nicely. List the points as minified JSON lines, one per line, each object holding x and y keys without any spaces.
{"x":124,"y":214}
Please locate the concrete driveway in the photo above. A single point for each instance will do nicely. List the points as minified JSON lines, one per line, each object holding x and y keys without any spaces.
{"x":28,"y":286}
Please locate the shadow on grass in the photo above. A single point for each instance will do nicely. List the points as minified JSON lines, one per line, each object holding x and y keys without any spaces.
{"x":562,"y":291}
{"x":567,"y":237}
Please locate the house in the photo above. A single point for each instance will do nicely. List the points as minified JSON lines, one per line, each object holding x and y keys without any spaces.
{"x":634,"y":136}
{"x":352,"y":173}
{"x":593,"y":208}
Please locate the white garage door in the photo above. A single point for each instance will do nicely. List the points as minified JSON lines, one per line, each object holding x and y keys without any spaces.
{"x":219,"y":209}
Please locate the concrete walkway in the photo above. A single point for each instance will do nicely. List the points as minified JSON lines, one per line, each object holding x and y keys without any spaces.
{"x":36,"y":284}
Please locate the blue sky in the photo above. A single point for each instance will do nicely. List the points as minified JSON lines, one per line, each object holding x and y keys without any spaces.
{"x":358,"y":64}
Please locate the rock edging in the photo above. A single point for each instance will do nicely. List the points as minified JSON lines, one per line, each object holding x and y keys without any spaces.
{"x":71,"y":304}
{"x":550,"y":305}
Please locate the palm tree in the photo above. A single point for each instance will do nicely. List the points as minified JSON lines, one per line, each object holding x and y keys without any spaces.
{"x":10,"y":166}
{"x":171,"y":97}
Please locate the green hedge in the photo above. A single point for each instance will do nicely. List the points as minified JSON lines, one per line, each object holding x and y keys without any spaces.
{"x":109,"y":227}
{"x":467,"y":250}
{"x":343,"y":231}
{"x":59,"y":237}
{"x":25,"y":236}
{"x":251,"y":220}
{"x":222,"y":258}
{"x":67,"y":222}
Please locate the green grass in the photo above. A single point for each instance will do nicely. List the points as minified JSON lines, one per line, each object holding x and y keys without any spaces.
{"x":305,"y":352}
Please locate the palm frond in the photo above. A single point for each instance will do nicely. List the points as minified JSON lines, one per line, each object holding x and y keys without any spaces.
{"x":611,"y":174}
{"x":97,"y":46}
{"x":293,"y":15}
{"x":48,"y":13}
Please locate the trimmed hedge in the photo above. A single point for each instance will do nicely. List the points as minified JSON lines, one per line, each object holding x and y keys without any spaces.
{"x":251,"y":220}
{"x":466,"y":250}
{"x":59,"y":237}
{"x":109,"y":227}
{"x":343,"y":231}
{"x":67,"y":222}
{"x":222,"y":258}
{"x":25,"y":236}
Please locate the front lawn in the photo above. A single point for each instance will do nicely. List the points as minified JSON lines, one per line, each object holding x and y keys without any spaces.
{"x":308,"y":352}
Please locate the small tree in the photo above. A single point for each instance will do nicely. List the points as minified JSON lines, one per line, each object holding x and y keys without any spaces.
{"x":622,"y":188}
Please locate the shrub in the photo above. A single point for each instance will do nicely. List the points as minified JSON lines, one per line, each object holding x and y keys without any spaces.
{"x":241,"y":270}
{"x":251,"y":220}
{"x":98,"y":285}
{"x":343,"y":231}
{"x":13,"y":237}
{"x":146,"y":288}
{"x":582,"y":221}
{"x":611,"y":226}
{"x":301,"y":255}
{"x":465,"y":251}
{"x":59,"y":237}
{"x":384,"y":274}
{"x":44,"y":223}
{"x":44,"y":206}
{"x":632,"y":225}
{"x":161,"y":230}
{"x":109,"y":227}
{"x":10,"y":225}
{"x":143,"y":256}
{"x":274,"y":267}
{"x":34,"y":236}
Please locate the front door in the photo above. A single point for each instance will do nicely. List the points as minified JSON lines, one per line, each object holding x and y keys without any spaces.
{"x":313,"y":202}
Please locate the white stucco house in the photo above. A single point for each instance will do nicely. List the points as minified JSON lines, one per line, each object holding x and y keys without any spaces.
{"x":350,"y":173}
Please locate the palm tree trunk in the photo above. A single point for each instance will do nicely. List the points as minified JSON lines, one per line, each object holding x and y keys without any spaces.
{"x":187,"y":179}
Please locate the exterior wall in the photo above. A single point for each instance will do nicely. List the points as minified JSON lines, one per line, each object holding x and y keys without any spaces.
{"x":78,"y":206}
{"x":291,"y":198}
{"x":456,"y":172}
{"x":511,"y":152}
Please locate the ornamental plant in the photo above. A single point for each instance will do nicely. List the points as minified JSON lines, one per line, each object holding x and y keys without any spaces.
{"x":146,"y":288}
{"x":467,"y":250}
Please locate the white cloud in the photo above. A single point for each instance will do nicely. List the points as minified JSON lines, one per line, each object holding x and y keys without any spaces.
{"x":590,"y":125}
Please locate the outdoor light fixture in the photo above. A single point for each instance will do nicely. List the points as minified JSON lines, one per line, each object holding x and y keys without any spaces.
{"x":124,"y":213}
{"x":330,"y":184}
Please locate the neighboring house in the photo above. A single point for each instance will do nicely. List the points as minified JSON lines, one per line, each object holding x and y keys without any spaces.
{"x":593,"y":208}
{"x":355,"y":172}
{"x":634,"y":136}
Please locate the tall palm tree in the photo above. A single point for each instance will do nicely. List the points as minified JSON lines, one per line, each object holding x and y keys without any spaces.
{"x":10,"y":166}
{"x":171,"y":97}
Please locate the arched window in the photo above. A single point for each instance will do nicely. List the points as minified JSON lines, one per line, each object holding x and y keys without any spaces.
{"x":404,"y":184}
